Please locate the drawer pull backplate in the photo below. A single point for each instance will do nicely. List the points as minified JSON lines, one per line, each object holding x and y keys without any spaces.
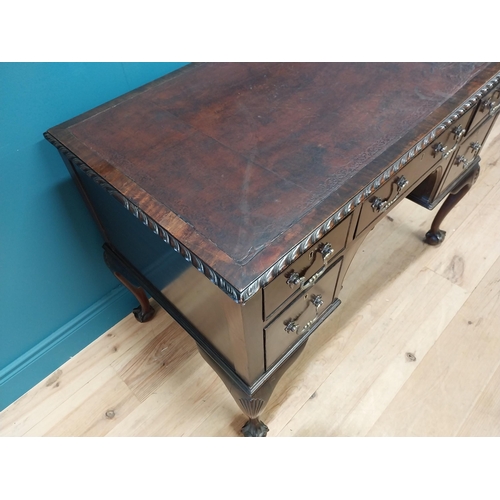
{"x":293,"y":325}
{"x":379,"y":205}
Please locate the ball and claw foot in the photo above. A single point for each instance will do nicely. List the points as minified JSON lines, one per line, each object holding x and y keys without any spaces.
{"x":143,"y":316}
{"x":255,"y":428}
{"x":435,"y":238}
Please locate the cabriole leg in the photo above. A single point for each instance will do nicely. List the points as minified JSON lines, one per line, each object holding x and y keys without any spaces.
{"x":144,"y":312}
{"x":435,"y":235}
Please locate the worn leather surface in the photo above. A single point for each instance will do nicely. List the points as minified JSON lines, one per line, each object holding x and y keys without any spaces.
{"x":248,"y":157}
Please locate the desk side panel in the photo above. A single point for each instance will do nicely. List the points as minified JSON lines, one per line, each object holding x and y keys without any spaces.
{"x":200,"y":301}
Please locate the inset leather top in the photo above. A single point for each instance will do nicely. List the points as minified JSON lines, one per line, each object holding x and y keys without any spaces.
{"x":241,"y":161}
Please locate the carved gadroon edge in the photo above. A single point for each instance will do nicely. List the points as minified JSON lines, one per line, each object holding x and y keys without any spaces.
{"x":293,"y":254}
{"x":149,"y":222}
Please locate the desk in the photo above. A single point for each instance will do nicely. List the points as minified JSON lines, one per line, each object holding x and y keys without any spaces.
{"x":237,"y":195}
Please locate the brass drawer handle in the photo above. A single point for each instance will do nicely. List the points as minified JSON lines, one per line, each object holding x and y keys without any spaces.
{"x":294,"y":279}
{"x":292,"y":326}
{"x":448,"y":153}
{"x":316,"y":301}
{"x":445,"y":152}
{"x":459,"y":132}
{"x":464,"y":160}
{"x":475,"y":146}
{"x":493,"y":108}
{"x":438,"y":148}
{"x":490,"y":105}
{"x":379,"y":205}
{"x":327,"y":252}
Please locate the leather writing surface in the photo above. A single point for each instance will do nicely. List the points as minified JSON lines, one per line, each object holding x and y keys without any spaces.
{"x":230,"y":200}
{"x":252,"y":156}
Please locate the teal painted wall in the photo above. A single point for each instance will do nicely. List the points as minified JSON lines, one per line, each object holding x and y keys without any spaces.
{"x":56,"y":294}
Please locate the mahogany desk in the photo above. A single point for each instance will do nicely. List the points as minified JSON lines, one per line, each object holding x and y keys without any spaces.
{"x":238,"y":194}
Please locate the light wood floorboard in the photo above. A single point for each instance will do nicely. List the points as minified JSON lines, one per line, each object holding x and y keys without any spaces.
{"x":414,"y":349}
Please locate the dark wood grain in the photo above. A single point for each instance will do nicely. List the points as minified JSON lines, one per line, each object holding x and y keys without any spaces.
{"x":241,"y":161}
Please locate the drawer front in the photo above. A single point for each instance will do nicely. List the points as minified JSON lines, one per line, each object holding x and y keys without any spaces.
{"x":488,"y":106}
{"x":391,"y":192}
{"x":440,"y":151}
{"x":447,"y":143}
{"x":290,"y":281}
{"x":467,"y":152}
{"x":298,"y":318}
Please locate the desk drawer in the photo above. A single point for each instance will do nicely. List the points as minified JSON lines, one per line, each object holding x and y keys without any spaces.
{"x":391,"y":192}
{"x":289,"y":282}
{"x":295,"y":321}
{"x":467,"y":153}
{"x":441,"y":150}
{"x":488,"y":106}
{"x":447,"y":143}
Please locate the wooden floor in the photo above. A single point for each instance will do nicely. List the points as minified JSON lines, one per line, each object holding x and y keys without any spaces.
{"x":414,"y":350}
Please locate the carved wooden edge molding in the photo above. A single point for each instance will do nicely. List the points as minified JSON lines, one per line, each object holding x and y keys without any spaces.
{"x":149,"y":222}
{"x":299,"y":249}
{"x":349,"y":207}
